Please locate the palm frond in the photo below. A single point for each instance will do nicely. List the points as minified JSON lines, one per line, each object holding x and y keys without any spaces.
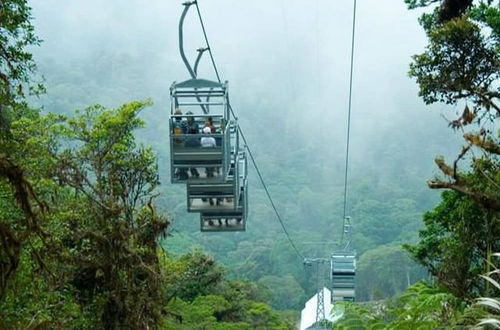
{"x":489,"y":302}
{"x":492,"y":281}
{"x":492,"y":322}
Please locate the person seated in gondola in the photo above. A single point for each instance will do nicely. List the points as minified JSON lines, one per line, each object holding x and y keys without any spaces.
{"x":208,"y":142}
{"x":179,"y":127}
{"x":210,"y":123}
{"x":192,"y":128}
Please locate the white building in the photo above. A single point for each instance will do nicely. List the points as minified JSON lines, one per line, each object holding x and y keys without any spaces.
{"x":308,"y":314}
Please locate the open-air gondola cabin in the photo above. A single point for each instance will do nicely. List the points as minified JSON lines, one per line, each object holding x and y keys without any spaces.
{"x":195,"y":102}
{"x":343,"y":276}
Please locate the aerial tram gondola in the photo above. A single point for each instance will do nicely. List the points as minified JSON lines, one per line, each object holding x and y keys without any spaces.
{"x":205,"y":149}
{"x":343,"y":276}
{"x":229,"y":213}
{"x":343,"y":269}
{"x":193,"y":103}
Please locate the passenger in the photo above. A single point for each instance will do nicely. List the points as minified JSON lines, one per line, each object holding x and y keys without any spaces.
{"x":210,"y":123}
{"x":179,"y":127}
{"x":192,"y":128}
{"x":220,"y":130}
{"x":218,"y":140}
{"x":208,"y":142}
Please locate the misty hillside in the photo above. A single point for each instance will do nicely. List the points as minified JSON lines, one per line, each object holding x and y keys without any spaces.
{"x":67,"y":171}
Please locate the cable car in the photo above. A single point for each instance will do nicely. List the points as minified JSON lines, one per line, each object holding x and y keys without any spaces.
{"x":204,"y":147}
{"x":227,"y":221}
{"x":195,"y":102}
{"x":223,"y":205}
{"x":343,"y":265}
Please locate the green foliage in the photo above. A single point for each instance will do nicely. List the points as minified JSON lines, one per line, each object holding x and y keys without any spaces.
{"x":412,"y":4}
{"x":98,"y":227}
{"x":492,"y":305}
{"x":286,"y":293}
{"x":32,"y":302}
{"x":459,"y":63}
{"x":488,"y":15}
{"x":455,"y":242}
{"x":384,"y":272}
{"x":421,"y":306}
{"x":201,"y":298}
{"x":16,"y":63}
{"x":192,"y":275}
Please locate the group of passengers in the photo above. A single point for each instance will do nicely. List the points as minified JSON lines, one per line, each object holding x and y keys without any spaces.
{"x":190,"y":126}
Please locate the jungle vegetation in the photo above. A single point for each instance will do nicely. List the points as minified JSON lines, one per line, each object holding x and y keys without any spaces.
{"x":93,"y":236}
{"x":461,"y":235}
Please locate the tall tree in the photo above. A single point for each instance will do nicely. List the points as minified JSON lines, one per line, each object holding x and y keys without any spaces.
{"x":461,"y":66}
{"x":16,"y":76}
{"x":16,"y":62}
{"x":100,"y":228}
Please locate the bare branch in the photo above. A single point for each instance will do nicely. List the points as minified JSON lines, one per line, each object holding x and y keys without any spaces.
{"x":481,"y":198}
{"x":485,"y":144}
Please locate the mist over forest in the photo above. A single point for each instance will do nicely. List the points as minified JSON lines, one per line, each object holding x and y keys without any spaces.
{"x":288,"y":68}
{"x":287,"y":64}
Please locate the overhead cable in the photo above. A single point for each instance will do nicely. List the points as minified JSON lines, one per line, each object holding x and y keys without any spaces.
{"x":349,"y":119}
{"x":273,"y":205}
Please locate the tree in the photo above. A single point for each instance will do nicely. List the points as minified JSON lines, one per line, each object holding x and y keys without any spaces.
{"x":193,"y":274}
{"x":200,"y":297}
{"x":286,"y":293}
{"x":116,"y":240}
{"x":16,"y":63}
{"x":384,"y":272}
{"x":16,"y":69}
{"x":457,"y":238}
{"x":461,"y":65}
{"x":95,"y":190}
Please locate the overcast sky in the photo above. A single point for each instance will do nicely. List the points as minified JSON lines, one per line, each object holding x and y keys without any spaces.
{"x":287,"y":56}
{"x":283,"y":50}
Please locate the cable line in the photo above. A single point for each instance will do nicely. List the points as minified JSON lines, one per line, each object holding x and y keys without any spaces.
{"x":349,"y":118}
{"x":247,"y":146}
{"x":206,"y":40}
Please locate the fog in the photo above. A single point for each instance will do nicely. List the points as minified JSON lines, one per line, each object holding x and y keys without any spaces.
{"x":289,"y":58}
{"x":287,"y":63}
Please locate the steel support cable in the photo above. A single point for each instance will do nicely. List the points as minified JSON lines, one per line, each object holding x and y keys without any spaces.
{"x":192,"y":73}
{"x":278,"y":216}
{"x":349,"y":119}
{"x":206,"y":40}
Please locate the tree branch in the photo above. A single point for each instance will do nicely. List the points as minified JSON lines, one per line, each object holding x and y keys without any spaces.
{"x":487,"y":145}
{"x":481,"y":198}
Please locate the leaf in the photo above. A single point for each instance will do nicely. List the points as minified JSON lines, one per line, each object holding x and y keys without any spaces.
{"x":493,"y":322}
{"x":492,"y":281}
{"x":490,"y":302}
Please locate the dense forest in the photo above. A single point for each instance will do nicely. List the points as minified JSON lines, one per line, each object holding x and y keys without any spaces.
{"x":92,"y":235}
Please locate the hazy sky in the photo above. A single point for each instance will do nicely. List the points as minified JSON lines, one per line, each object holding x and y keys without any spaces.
{"x":288,"y":57}
{"x":300,"y":46}
{"x":287,"y":60}
{"x":290,"y":54}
